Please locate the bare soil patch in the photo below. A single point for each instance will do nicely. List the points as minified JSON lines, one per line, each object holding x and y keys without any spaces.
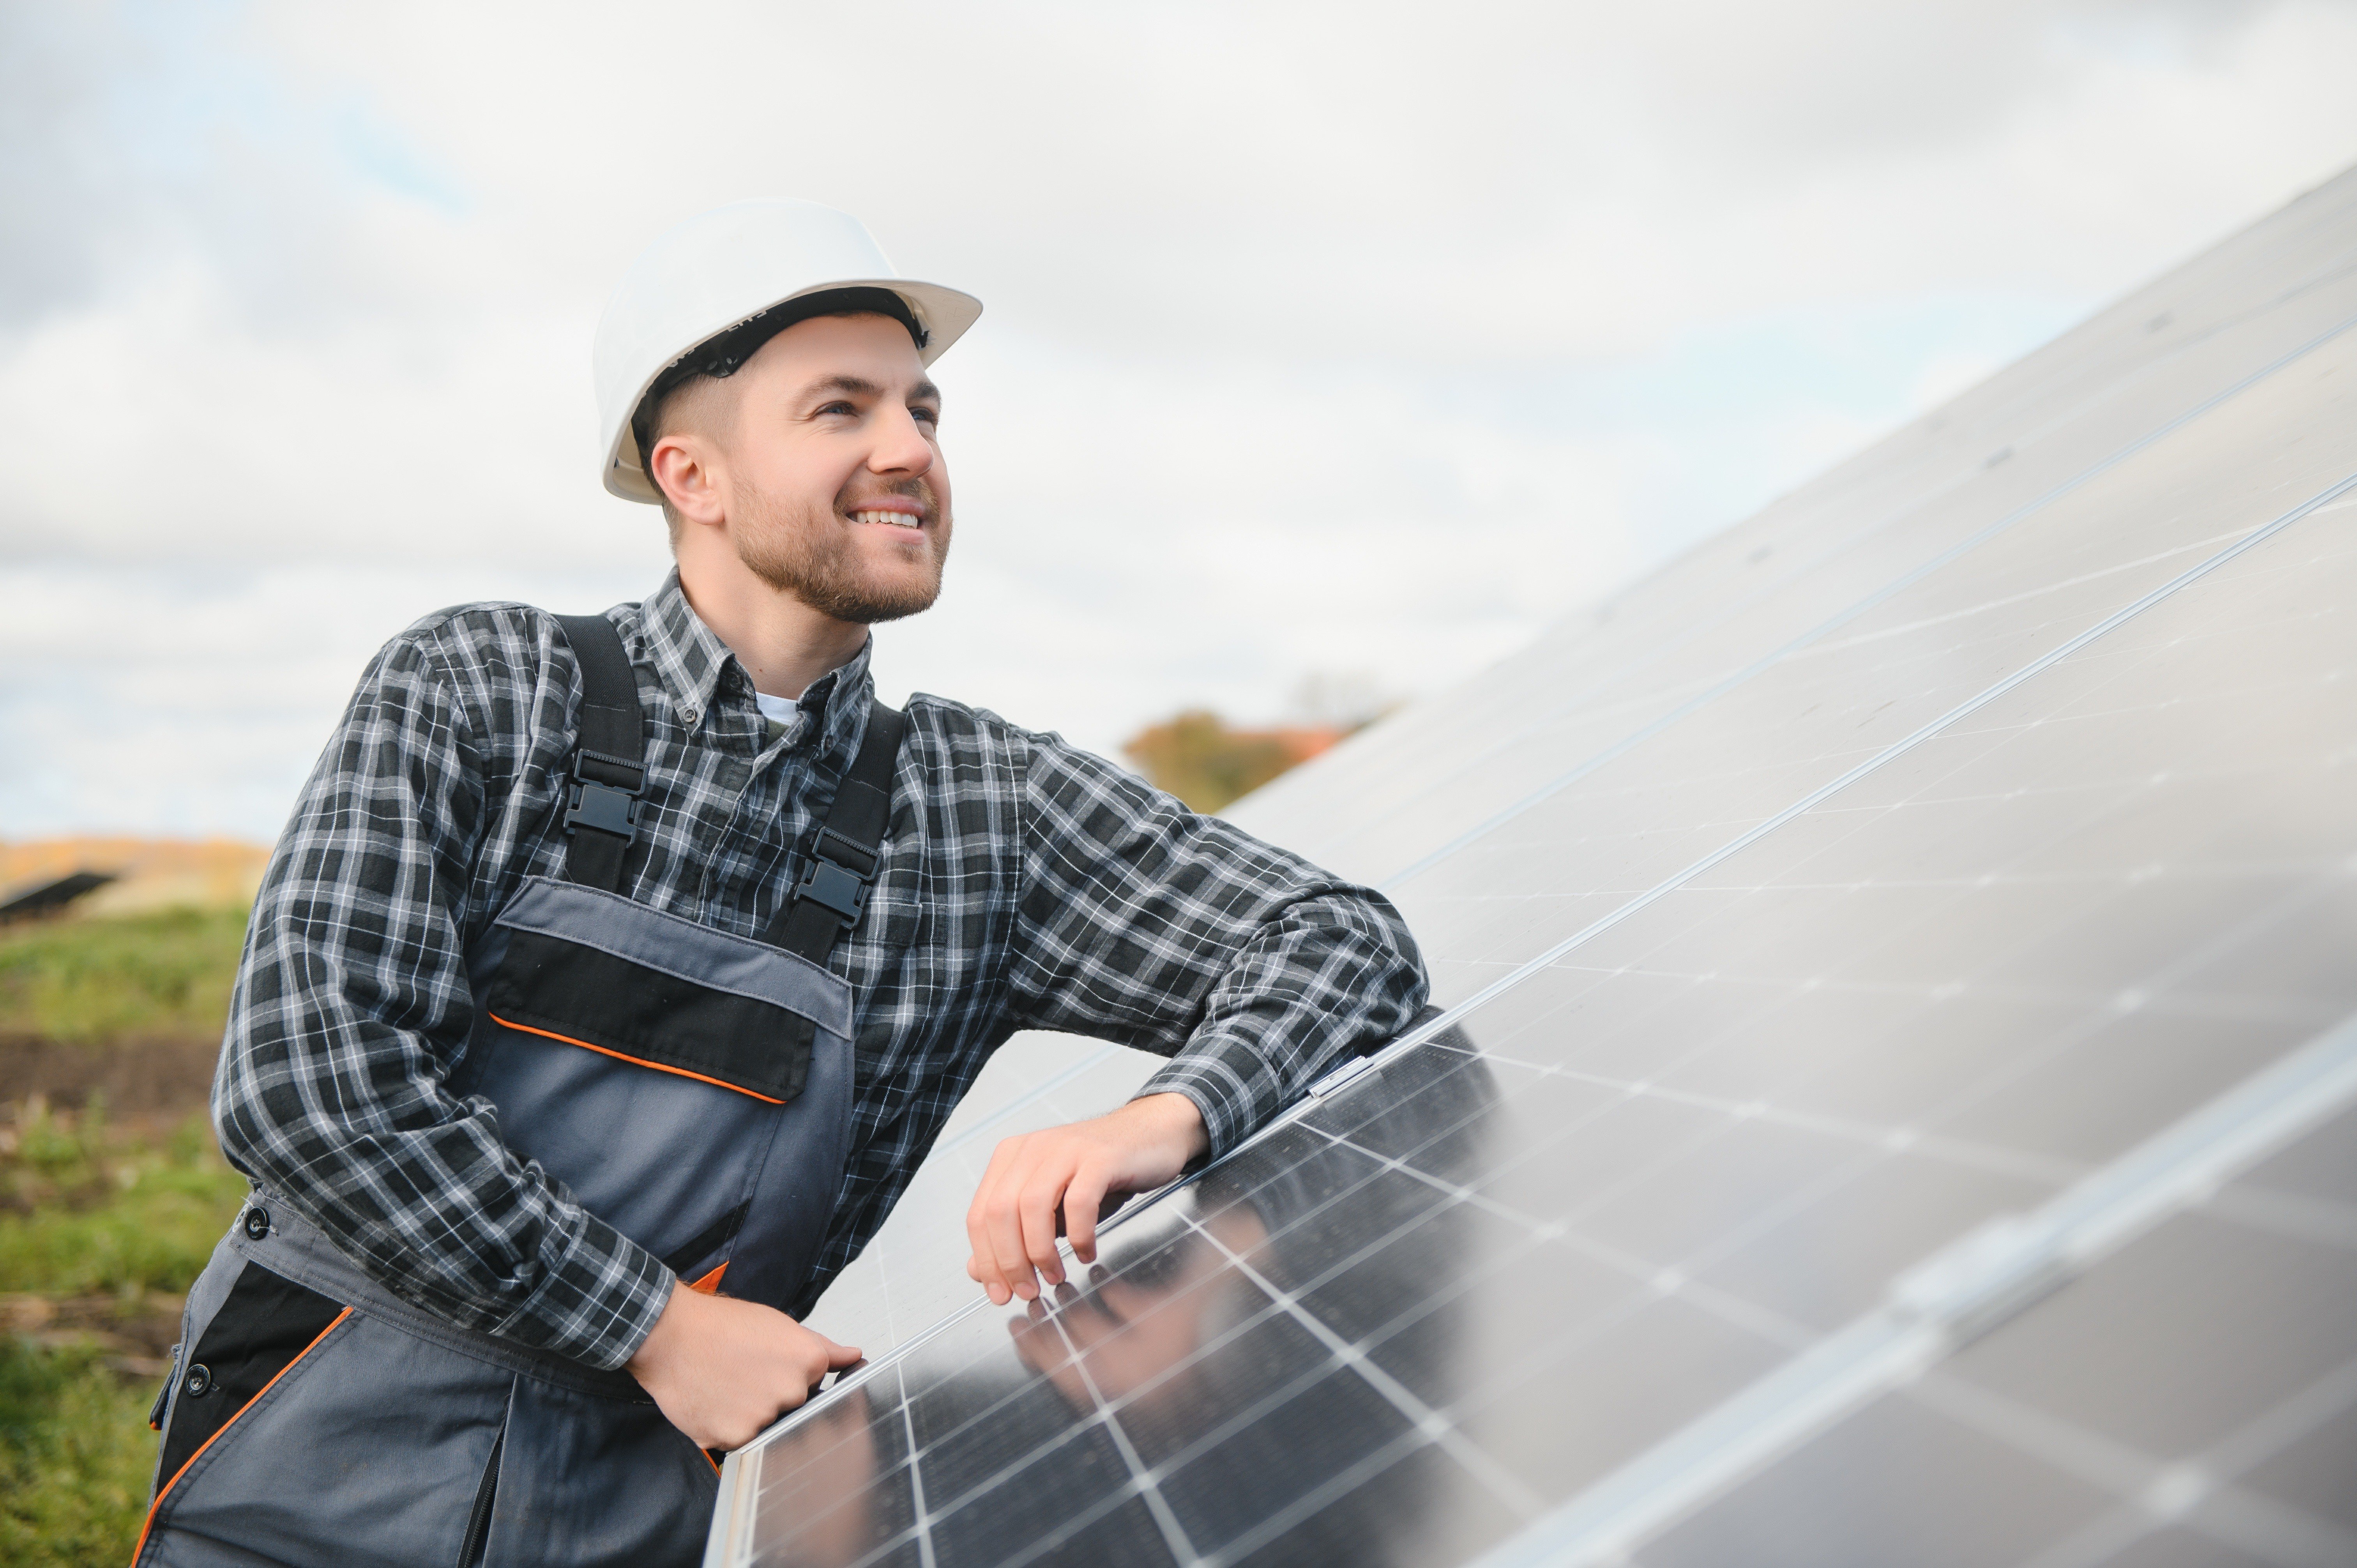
{"x":165,"y":1077}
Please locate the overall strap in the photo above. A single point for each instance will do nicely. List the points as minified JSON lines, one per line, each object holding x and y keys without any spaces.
{"x":849,"y":846}
{"x":608,"y":767}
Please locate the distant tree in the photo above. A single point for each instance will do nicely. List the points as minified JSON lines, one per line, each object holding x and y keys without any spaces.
{"x":1200,"y":759}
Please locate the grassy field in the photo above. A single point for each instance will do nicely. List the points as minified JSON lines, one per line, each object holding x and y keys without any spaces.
{"x":94,"y":982}
{"x":103,"y":1225}
{"x":101,"y":1234}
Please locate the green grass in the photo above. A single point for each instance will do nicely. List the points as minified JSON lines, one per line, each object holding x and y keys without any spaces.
{"x":75,"y":1458}
{"x":101,"y":1222}
{"x":88,"y":982}
{"x":89,"y":1214}
{"x":122,"y":1220}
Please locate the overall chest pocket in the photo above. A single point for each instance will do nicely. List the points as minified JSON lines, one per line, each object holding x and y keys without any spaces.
{"x":651,"y":1064}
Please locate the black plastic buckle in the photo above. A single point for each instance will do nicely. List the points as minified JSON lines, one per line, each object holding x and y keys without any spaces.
{"x":592,"y":803}
{"x":849,"y":853}
{"x":835,"y":887}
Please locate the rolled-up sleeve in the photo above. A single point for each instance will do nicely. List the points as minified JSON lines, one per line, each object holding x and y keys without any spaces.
{"x":1148,"y":924}
{"x":351,"y":1007}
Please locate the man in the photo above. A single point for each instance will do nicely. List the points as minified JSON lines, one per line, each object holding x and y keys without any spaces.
{"x":605,"y":955}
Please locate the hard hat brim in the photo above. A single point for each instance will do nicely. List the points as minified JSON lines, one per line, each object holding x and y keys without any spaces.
{"x":944,"y":313}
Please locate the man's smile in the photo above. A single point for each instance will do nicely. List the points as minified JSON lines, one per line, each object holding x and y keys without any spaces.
{"x":891,"y":512}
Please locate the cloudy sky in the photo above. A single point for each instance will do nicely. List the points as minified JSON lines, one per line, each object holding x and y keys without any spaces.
{"x":1347,"y":341}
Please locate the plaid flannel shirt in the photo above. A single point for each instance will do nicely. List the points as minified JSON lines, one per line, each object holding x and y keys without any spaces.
{"x":1025,"y":885}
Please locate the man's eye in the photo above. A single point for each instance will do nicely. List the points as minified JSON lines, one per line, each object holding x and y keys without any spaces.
{"x":929,"y":415}
{"x":838,"y":407}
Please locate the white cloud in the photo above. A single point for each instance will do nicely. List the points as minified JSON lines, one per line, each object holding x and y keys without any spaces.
{"x":1351,"y":339}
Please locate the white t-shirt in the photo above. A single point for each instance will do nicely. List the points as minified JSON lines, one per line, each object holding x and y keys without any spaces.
{"x":784,"y":715}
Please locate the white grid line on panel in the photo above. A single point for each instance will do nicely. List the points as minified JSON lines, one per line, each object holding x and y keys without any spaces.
{"x":889,"y":1361}
{"x":2029,"y":595}
{"x":1971,"y":1286}
{"x":1105,"y":1409}
{"x":1652,"y":1279}
{"x":923,"y":1528}
{"x":2154,"y":992}
{"x":1202,"y":1444}
{"x":1662,"y":1277}
{"x":1876,"y":1141}
{"x":1597,"y":896}
{"x":2050,"y":1169}
{"x":2297,"y":1216}
{"x":1141,"y":1479}
{"x":1824,"y":629}
{"x":973,"y":1494}
{"x":1072,"y":1526}
{"x":880,"y":1553}
{"x":1879,"y":760}
{"x":1142,"y":1476}
{"x":2269,"y":1434}
{"x":907,"y":1347}
{"x":874,"y":1554}
{"x":1647,"y":1272}
{"x":919,"y":1533}
{"x":2197,"y":1495}
{"x":1435,"y":1427}
{"x":1335,"y":1487}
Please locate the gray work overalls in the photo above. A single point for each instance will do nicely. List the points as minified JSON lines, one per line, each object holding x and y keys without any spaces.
{"x":313,"y":1416}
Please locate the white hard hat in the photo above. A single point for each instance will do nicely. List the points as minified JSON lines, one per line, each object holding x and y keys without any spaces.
{"x":719,"y":270}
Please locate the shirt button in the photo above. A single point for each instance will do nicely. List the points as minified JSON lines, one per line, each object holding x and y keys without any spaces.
{"x":257,"y":1224}
{"x":199,"y":1382}
{"x":691,"y":715}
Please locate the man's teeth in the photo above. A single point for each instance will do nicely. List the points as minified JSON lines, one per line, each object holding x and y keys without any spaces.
{"x":897,"y":519}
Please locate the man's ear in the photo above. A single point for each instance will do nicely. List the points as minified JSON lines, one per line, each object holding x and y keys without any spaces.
{"x":684,"y":467}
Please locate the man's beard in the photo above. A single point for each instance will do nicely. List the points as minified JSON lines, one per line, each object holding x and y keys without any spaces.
{"x":816,"y":561}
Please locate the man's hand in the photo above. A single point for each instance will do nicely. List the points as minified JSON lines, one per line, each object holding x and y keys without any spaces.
{"x":721,"y":1369}
{"x":1045,"y":1184}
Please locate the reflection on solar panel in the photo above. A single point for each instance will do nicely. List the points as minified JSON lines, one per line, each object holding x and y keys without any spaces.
{"x":1897,"y":1100}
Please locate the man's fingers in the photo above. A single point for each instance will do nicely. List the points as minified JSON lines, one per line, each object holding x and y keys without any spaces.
{"x":1082,"y":1200}
{"x":977,"y":1239}
{"x":1037,"y":1209}
{"x":1039,"y":1182}
{"x":981,"y":1225}
{"x":989,"y":1222}
{"x":1004,"y":1225}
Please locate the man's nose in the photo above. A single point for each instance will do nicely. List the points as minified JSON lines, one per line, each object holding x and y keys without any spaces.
{"x":901,"y":446}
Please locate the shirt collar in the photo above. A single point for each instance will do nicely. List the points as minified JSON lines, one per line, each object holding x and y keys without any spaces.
{"x":688,"y":655}
{"x":690,"y":658}
{"x":837,"y":702}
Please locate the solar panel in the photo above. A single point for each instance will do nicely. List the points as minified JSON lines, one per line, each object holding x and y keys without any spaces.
{"x":912,"y":1272}
{"x":1897,"y":1096}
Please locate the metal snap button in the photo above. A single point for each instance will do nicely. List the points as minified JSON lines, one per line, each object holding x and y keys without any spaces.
{"x":199,"y":1382}
{"x":257,"y":1224}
